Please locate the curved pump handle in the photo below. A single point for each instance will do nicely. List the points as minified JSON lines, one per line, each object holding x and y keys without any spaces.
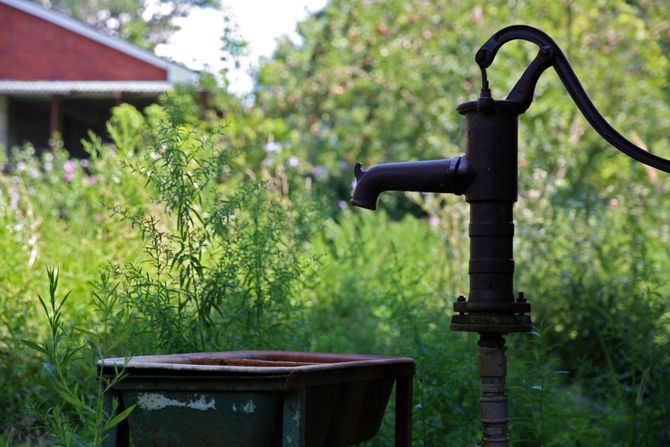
{"x":551,"y":55}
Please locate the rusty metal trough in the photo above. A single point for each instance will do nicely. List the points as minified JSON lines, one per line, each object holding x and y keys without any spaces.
{"x":258,"y":398}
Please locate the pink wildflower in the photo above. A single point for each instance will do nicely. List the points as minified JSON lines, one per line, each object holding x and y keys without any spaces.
{"x":69,"y":166}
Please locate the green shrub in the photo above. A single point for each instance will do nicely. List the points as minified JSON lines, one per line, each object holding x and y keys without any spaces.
{"x":224,"y":258}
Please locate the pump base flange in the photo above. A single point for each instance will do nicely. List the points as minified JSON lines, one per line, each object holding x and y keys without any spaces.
{"x":491,"y":323}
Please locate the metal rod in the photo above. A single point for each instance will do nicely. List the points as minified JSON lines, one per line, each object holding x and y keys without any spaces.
{"x":493,"y":412}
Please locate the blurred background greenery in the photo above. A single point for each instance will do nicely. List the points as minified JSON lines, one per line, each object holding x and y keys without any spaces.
{"x":258,"y":190}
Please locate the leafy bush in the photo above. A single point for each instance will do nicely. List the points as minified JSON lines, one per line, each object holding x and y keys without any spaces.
{"x":221,"y":268}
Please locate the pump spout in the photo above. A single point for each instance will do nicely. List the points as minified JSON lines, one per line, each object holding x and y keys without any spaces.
{"x":451,"y":175}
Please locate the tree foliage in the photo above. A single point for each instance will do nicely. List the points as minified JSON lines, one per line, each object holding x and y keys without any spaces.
{"x":379,"y":81}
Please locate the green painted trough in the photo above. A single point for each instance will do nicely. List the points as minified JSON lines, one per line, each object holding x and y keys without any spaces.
{"x":258,"y":398}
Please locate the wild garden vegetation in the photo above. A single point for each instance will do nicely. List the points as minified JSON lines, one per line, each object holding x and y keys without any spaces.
{"x":220,"y":224}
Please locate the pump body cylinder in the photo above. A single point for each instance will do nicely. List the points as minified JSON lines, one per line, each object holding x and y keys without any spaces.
{"x":491,"y":148}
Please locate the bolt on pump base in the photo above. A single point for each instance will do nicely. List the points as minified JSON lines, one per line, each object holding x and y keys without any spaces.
{"x":488,"y":177}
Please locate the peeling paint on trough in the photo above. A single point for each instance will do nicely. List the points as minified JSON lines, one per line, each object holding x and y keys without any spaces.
{"x":155,"y":401}
{"x":249,"y":407}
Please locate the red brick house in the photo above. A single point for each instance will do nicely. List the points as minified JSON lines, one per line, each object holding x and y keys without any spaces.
{"x":60,"y":75}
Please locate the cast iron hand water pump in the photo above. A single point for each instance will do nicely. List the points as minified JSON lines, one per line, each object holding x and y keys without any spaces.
{"x":487,"y":175}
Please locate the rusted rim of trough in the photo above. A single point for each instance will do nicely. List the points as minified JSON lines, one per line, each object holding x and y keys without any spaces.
{"x":254,"y":362}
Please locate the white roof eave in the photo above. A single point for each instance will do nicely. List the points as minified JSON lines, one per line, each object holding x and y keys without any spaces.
{"x":74,"y":87}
